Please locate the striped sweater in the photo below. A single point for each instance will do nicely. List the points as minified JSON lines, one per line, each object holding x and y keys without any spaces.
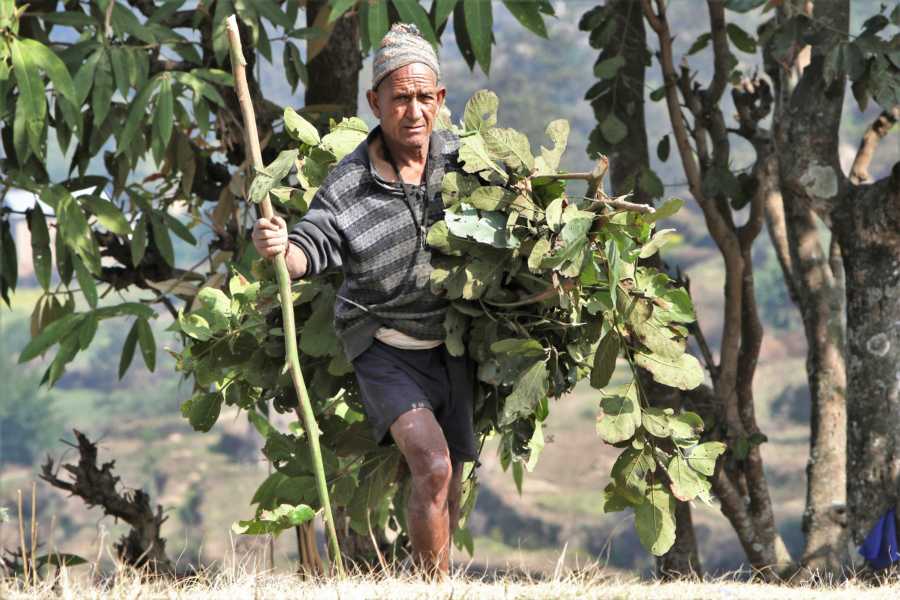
{"x":362,"y":224}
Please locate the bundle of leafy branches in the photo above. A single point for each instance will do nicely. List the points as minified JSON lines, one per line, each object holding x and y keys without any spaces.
{"x":545,"y":290}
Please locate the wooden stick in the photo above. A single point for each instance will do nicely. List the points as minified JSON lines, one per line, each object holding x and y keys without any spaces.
{"x":22,"y":539}
{"x":34,"y":531}
{"x":238,"y":66}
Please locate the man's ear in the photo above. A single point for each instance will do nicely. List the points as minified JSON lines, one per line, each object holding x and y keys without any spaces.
{"x":372,"y":97}
{"x":441,"y":95}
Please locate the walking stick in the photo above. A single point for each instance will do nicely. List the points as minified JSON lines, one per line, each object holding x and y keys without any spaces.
{"x":284,"y":291}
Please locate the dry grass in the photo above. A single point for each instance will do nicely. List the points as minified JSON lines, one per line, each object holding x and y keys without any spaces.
{"x":589,"y":583}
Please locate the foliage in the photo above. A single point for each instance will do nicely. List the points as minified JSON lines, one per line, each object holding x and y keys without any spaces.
{"x":545,"y":290}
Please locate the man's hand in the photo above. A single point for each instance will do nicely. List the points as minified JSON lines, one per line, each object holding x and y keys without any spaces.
{"x":270,"y":236}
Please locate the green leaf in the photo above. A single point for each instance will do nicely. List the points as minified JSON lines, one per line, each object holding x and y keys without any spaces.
{"x":411,"y":11}
{"x":31,"y":100}
{"x":479,"y":25}
{"x":455,"y":327}
{"x":273,"y":522}
{"x":619,"y":416}
{"x":40,"y":246}
{"x":481,"y":110}
{"x":700,"y":43}
{"x":558,"y":132}
{"x":538,"y":252}
{"x":73,"y":227}
{"x":528,"y":14}
{"x":161,"y":239}
{"x":613,"y":500}
{"x":318,"y":337}
{"x":662,"y":149}
{"x":299,"y":128}
{"x":442,"y":11}
{"x":608,"y":68}
{"x":377,"y":21}
{"x":55,"y":68}
{"x":49,"y":335}
{"x":665,"y":211}
{"x":135,"y":115}
{"x":528,"y":391}
{"x":118,"y":56}
{"x":509,"y":146}
{"x":553,"y":214}
{"x":139,"y":240}
{"x":203,"y":409}
{"x":86,"y":283}
{"x":630,"y":472}
{"x":613,"y":129}
{"x":743,"y":6}
{"x":686,"y":482}
{"x":338,"y":8}
{"x":686,"y":428}
{"x":108,"y":214}
{"x":525,"y":347}
{"x":84,"y":78}
{"x":703,"y":457}
{"x":164,"y":115}
{"x":345,"y":137}
{"x":266,"y":179}
{"x":147,"y":343}
{"x":655,"y":520}
{"x":742,"y":40}
{"x":660,"y":239}
{"x":102,"y":90}
{"x":656,"y":422}
{"x":605,"y":360}
{"x":684,"y":373}
{"x":128,"y":349}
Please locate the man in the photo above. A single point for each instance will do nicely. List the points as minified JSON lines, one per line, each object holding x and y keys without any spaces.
{"x":370,"y":218}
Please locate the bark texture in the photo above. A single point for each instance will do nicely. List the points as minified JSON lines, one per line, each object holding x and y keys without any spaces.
{"x":335,"y":68}
{"x":815,"y":279}
{"x":626,"y":160}
{"x":703,"y":146}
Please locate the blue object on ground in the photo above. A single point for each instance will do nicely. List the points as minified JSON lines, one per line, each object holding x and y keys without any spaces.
{"x":880,"y":546}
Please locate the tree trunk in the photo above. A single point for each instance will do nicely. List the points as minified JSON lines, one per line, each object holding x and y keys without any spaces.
{"x":868,"y":227}
{"x":334,"y":71}
{"x":626,"y":160}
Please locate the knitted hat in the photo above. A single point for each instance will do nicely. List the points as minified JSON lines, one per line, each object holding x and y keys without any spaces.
{"x":401,"y":46}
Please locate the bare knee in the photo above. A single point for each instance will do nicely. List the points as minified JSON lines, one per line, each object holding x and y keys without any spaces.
{"x":431,"y":475}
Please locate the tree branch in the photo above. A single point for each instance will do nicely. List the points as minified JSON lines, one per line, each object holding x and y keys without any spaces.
{"x":859,"y":172}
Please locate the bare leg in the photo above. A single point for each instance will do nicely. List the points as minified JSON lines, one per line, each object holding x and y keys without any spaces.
{"x":422,"y":443}
{"x":454,"y":496}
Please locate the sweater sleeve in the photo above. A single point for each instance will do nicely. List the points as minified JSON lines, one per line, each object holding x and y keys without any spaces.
{"x":318,"y":236}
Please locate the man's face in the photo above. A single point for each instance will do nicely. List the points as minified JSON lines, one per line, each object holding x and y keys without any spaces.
{"x":407,"y":102}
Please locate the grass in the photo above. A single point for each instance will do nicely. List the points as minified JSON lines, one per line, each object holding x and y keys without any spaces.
{"x":584,"y":584}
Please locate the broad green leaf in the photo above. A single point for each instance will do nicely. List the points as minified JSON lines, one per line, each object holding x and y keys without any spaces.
{"x":338,"y":8}
{"x":613,"y":129}
{"x":509,"y":146}
{"x":442,"y":10}
{"x":686,"y":428}
{"x":684,"y":373}
{"x":558,"y":132}
{"x":490,"y":198}
{"x":108,"y":214}
{"x":528,"y":14}
{"x":538,"y":252}
{"x":686,"y":482}
{"x":474,"y":154}
{"x":299,"y":128}
{"x":318,"y":337}
{"x":605,"y":360}
{"x":662,"y":149}
{"x":612,"y":500}
{"x":668,"y":209}
{"x":179,"y":228}
{"x":553,"y":214}
{"x":195,"y":326}
{"x":528,"y":391}
{"x":619,"y":416}
{"x":455,"y":328}
{"x":84,"y":78}
{"x":202,"y":410}
{"x":102,"y":90}
{"x":86,"y":283}
{"x":345,"y":137}
{"x":147,"y":343}
{"x":118,"y":57}
{"x":73,"y":227}
{"x":742,"y":40}
{"x":128,"y":349}
{"x":215,"y":301}
{"x":40,"y":246}
{"x":608,"y":68}
{"x":481,"y":110}
{"x":527,"y":347}
{"x":660,"y":239}
{"x":535,"y":447}
{"x":87,"y":330}
{"x":703,"y":457}
{"x":273,"y":522}
{"x":479,"y":26}
{"x":656,"y":422}
{"x":655,"y":520}
{"x":630,"y":472}
{"x":272,"y":175}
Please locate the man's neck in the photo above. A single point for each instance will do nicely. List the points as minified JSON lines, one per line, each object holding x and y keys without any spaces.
{"x":405,"y":156}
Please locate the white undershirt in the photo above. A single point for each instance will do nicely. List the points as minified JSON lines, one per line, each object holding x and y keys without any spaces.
{"x":400,"y":340}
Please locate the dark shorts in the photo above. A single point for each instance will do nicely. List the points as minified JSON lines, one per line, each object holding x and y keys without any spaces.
{"x":394,"y":381}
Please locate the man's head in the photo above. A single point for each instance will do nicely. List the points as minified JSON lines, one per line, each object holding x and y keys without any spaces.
{"x":406,"y":93}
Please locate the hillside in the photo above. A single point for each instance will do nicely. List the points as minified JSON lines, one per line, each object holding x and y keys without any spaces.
{"x":205,"y":481}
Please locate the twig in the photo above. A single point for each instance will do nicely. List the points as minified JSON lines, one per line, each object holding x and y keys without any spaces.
{"x":238,"y":66}
{"x":34,"y":531}
{"x":22,"y":538}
